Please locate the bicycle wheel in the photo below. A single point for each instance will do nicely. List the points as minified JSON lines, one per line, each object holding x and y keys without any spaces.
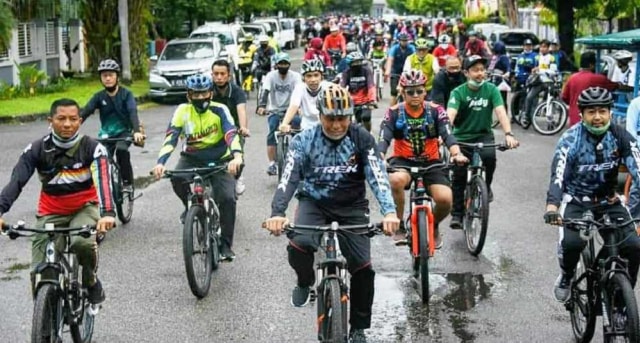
{"x":622,"y":311}
{"x":122,"y":199}
{"x":333,"y":320}
{"x":197,"y":251}
{"x":47,"y":316}
{"x":550,"y":118}
{"x":82,"y":330}
{"x":476,"y":217}
{"x":423,"y":239}
{"x":582,"y":303}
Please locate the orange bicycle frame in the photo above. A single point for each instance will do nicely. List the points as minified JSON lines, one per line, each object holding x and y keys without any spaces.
{"x":415,"y":241}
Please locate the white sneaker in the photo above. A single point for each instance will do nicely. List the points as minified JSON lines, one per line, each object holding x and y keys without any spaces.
{"x":240,"y":186}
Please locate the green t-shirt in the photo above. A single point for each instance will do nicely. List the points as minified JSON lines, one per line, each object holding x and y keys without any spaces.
{"x":475,"y":110}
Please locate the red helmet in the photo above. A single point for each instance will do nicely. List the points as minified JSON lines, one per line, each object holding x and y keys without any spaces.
{"x":412,"y":78}
{"x":316,"y":43}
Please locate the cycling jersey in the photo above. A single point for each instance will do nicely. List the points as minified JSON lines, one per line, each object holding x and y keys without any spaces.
{"x":378,"y":49}
{"x":337,"y":42}
{"x":246,"y":53}
{"x":362,"y":86}
{"x":71,"y":177}
{"x":333,"y":171}
{"x":118,"y":113}
{"x":321,"y":55}
{"x":475,"y":110}
{"x":428,"y":65}
{"x":209,"y":136}
{"x":399,"y":56}
{"x":415,"y":134}
{"x":262,"y":58}
{"x":443,"y":53}
{"x":546,"y":62}
{"x":526,"y":61}
{"x":307,"y":103}
{"x":587,"y":166}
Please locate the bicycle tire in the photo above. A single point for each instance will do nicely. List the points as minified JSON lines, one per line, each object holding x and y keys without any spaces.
{"x":123,"y":210}
{"x":620,"y":282}
{"x":47,"y":315}
{"x":539,"y":111}
{"x":476,"y":206}
{"x":423,"y":239}
{"x":334,"y":318}
{"x":199,"y":285}
{"x":583,"y":308}
{"x":82,"y":331}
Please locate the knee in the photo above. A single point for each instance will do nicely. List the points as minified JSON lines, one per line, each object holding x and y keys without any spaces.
{"x":398,"y":182}
{"x":443,"y":198}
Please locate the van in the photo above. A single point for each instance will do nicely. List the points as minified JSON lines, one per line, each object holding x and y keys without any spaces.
{"x":231,"y":36}
{"x":276,"y":28}
{"x":288,"y":32}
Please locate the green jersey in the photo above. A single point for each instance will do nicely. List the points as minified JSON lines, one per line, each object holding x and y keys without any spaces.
{"x":475,"y":110}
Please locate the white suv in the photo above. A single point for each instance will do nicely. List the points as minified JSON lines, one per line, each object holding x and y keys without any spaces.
{"x":231,"y":36}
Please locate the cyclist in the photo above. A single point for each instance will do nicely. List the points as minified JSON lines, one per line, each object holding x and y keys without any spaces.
{"x":623,"y":72}
{"x":444,"y":49}
{"x":378,"y":48}
{"x":396,"y":58}
{"x":446,"y":80}
{"x":476,"y":46}
{"x":470,"y":109}
{"x":232,"y":96}
{"x":345,"y":62}
{"x":323,"y":196}
{"x":524,"y":65}
{"x":118,"y":117}
{"x":362,"y":87}
{"x":336,"y":43}
{"x":545,"y":64}
{"x":277,"y":89}
{"x":500,"y":65}
{"x":245,"y":52}
{"x":584,"y":173}
{"x":424,"y":61}
{"x":75,"y":176}
{"x":273,"y":42}
{"x":315,"y":52}
{"x":210,"y":135}
{"x":415,"y":127}
{"x":304,"y":98}
{"x":262,"y":58}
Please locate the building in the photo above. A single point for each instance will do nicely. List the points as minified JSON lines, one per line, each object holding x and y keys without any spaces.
{"x":378,"y":8}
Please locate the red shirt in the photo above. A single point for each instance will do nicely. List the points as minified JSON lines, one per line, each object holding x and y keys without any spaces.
{"x":576,"y":84}
{"x":441,"y":54}
{"x":322,"y":55}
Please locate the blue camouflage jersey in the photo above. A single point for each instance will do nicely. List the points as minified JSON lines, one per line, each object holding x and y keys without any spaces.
{"x":586,"y":165}
{"x":333,"y":172}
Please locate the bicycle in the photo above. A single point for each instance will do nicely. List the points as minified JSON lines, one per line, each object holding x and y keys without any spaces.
{"x":123,"y":198}
{"x":421,"y":237}
{"x":377,"y":75}
{"x":476,"y":198}
{"x":601,"y":284}
{"x":552,"y":111}
{"x":201,"y":241}
{"x":282,"y":146}
{"x":247,"y":79}
{"x":59,"y":296}
{"x":358,"y":109}
{"x":332,"y":284}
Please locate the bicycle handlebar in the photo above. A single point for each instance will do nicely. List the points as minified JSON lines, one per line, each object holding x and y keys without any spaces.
{"x":418,"y":170}
{"x":20,"y":230}
{"x":290,"y":132}
{"x":587,"y":224}
{"x":115,"y":139}
{"x":481,"y":145}
{"x":199,"y":171}
{"x":369,"y":229}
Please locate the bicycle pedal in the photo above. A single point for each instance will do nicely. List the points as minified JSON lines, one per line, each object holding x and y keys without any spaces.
{"x":401,"y":243}
{"x":312,"y":295}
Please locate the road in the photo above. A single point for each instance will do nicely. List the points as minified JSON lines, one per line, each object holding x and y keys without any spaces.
{"x":502,"y":296}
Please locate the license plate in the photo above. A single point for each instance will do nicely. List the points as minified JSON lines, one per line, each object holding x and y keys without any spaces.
{"x":178,"y":83}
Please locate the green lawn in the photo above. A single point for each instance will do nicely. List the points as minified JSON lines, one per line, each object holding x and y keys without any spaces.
{"x":81,"y":91}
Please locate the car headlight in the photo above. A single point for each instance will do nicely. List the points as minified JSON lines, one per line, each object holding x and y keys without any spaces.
{"x":155,"y":71}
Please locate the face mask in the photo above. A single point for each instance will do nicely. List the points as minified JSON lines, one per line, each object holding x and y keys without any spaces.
{"x":264,"y":46}
{"x":476,"y":84}
{"x":201,"y":105}
{"x":283,"y":70}
{"x":111,"y":89}
{"x":453,"y":75}
{"x":598,"y":131}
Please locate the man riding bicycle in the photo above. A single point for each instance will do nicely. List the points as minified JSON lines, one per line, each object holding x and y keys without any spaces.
{"x":424,"y":61}
{"x":245,"y":53}
{"x":470,"y":109}
{"x":326,"y":168}
{"x":362,"y":87}
{"x":75,"y":175}
{"x":210,"y":136}
{"x":118,"y":117}
{"x":396,"y":58}
{"x":262,"y":58}
{"x":415,"y":127}
{"x":584,"y":174}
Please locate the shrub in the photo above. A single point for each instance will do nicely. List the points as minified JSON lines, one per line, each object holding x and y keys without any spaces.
{"x":31,"y":77}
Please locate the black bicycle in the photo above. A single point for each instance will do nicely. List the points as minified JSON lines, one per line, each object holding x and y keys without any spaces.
{"x":60,"y":298}
{"x":332,"y":284}
{"x":476,"y":198}
{"x":601,"y":284}
{"x":282,"y":146}
{"x":122,"y":197}
{"x":201,"y":240}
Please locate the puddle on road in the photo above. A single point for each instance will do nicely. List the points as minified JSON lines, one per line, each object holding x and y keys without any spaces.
{"x":142,"y":182}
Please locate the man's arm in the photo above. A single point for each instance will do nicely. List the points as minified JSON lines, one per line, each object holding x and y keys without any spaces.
{"x":173,"y":134}
{"x":559,"y":172}
{"x":231,"y":137}
{"x":376,"y":175}
{"x":453,"y":106}
{"x":500,"y":110}
{"x":294,"y":103}
{"x":386,"y":131}
{"x":19,"y":177}
{"x":291,"y":177}
{"x":241,"y":108}
{"x":132,"y":109}
{"x":101,"y":176}
{"x":90,"y":107}
{"x":444,"y":129}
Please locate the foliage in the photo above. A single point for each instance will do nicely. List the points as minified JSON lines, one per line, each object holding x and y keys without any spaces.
{"x":140,"y":18}
{"x":7,"y":21}
{"x":100,"y":20}
{"x":288,"y":7}
{"x":548,"y":17}
{"x":447,"y":7}
{"x":30,"y":77}
{"x":475,"y":19}
{"x":399,"y":6}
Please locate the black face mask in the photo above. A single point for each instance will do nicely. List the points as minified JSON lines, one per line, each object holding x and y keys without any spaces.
{"x":200,"y":105}
{"x":264,"y":46}
{"x":283,"y":70}
{"x":111,"y":89}
{"x":453,"y":76}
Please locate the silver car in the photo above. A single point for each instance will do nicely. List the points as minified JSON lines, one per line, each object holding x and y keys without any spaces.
{"x":180,"y":59}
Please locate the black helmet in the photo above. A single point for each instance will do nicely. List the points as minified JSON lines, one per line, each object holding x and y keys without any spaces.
{"x":108,"y":65}
{"x":595,"y":96}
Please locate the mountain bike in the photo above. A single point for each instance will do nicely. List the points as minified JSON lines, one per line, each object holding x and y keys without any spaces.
{"x":377,"y":75}
{"x":282,"y":146}
{"x":551,"y":115}
{"x":601,"y":284}
{"x":358,"y":112}
{"x":332,"y":281}
{"x":201,"y":241}
{"x":60,"y":298}
{"x":476,"y":198}
{"x":421,"y":237}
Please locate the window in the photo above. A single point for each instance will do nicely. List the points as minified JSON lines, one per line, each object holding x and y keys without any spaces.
{"x":50,"y":38}
{"x":24,"y":40}
{"x":4,"y":55}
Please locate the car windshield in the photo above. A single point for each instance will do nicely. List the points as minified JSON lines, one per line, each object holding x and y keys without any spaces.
{"x":225,"y":37}
{"x":188,"y":51}
{"x":272,"y":25}
{"x":517,"y":38}
{"x":254,"y":30}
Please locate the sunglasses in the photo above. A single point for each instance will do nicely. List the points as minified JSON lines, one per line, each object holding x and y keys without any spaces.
{"x":415,"y":92}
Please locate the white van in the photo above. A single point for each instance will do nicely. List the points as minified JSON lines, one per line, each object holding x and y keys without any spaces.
{"x":230,"y":35}
{"x":276,"y":27}
{"x":288,"y":32}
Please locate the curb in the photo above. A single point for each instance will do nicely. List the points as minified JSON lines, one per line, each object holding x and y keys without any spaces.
{"x":26,"y":118}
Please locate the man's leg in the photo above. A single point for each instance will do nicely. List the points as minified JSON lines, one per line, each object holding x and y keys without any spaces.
{"x":273,"y":121}
{"x":399,"y":181}
{"x":530,"y":101}
{"x":225,"y":196}
{"x":124,"y":163}
{"x":488,"y":156}
{"x":181,"y":185}
{"x":458,"y":185}
{"x":569,"y":247}
{"x":86,"y":249}
{"x":630,"y":246}
{"x":393,"y":83}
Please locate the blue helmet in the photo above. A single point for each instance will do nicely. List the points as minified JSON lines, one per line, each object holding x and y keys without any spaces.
{"x":199,"y":83}
{"x":282,"y":57}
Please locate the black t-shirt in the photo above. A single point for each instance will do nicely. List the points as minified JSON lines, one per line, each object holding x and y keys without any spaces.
{"x":231,"y":97}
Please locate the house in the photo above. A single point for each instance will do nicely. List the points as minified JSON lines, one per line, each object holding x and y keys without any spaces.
{"x":378,"y":8}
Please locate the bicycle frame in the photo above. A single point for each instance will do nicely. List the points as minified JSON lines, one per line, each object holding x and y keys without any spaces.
{"x":420,"y":200}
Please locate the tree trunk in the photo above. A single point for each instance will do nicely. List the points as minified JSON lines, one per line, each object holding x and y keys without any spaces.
{"x":512,"y":12}
{"x":125,"y":48}
{"x":566,"y":30}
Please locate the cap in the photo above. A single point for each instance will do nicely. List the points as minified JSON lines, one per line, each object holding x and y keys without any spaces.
{"x":528,"y":42}
{"x":472,"y":60}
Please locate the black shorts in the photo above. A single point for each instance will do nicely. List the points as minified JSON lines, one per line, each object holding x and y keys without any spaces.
{"x":394,"y":79}
{"x":436,"y":176}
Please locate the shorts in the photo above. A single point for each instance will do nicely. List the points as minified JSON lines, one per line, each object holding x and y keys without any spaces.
{"x":394,"y":84}
{"x":436,"y":176}
{"x":274,"y":121}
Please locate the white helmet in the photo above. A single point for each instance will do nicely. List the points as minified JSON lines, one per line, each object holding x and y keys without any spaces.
{"x":263,"y":39}
{"x":622,"y":55}
{"x":444,"y":39}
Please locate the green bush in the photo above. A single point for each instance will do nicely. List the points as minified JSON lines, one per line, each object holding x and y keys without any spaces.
{"x":31,"y":78}
{"x":56,"y":84}
{"x":7,"y":91}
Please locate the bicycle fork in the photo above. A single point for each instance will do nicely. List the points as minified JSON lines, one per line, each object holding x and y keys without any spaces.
{"x":417,"y":208}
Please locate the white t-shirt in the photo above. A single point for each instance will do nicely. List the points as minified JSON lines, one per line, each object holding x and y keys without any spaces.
{"x":627,"y":78}
{"x":307,"y":104}
{"x":280,"y":89}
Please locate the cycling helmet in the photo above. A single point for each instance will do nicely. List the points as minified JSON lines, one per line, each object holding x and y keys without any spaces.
{"x":595,"y":96}
{"x":413,"y":78}
{"x":444,"y":39}
{"x":108,"y":65}
{"x":248,"y":38}
{"x":355,"y":58}
{"x":499,"y":48}
{"x":473,"y":33}
{"x":351,"y":47}
{"x":263,"y":39}
{"x":334,"y":29}
{"x":403,"y":36}
{"x":311,"y":66}
{"x":422,"y":43}
{"x":335,"y":101}
{"x":282,"y":57}
{"x":622,"y":55}
{"x":199,"y":83}
{"x":316,"y":43}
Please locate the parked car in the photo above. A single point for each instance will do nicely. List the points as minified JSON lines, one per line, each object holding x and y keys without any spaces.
{"x":488,"y":28}
{"x":256,"y":29}
{"x":180,"y":59}
{"x":513,"y":40}
{"x":281,"y":37}
{"x":289,"y":32}
{"x":230,"y":35}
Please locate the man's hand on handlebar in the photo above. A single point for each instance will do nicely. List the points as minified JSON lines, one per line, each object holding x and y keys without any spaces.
{"x":105,"y":224}
{"x":138,"y":137}
{"x":260,"y":111}
{"x":235,"y":165}
{"x":285,"y":128}
{"x":551,"y":216}
{"x":276,"y":225}
{"x":459,"y":159}
{"x":158,"y":171}
{"x":511,"y":142}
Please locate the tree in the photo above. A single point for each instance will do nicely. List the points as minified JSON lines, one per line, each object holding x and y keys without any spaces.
{"x":288,"y":7}
{"x":447,"y":7}
{"x":399,"y":6}
{"x":512,"y":12}
{"x":7,"y":22}
{"x":125,"y":48}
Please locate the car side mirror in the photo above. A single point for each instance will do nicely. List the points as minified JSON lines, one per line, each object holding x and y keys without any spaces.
{"x":154,"y":58}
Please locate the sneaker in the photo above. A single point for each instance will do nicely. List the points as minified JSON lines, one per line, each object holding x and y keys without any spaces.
{"x":562,"y":288}
{"x":438,"y":237}
{"x":300,"y":296}
{"x":184,"y":214}
{"x":357,"y":336}
{"x":95,"y":293}
{"x":456,"y":222}
{"x":272,"y":169}
{"x":240,"y":186}
{"x":400,"y":237}
{"x":226,"y":254}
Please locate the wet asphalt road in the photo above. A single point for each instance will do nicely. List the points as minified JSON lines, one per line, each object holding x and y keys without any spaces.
{"x":502,"y":296}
